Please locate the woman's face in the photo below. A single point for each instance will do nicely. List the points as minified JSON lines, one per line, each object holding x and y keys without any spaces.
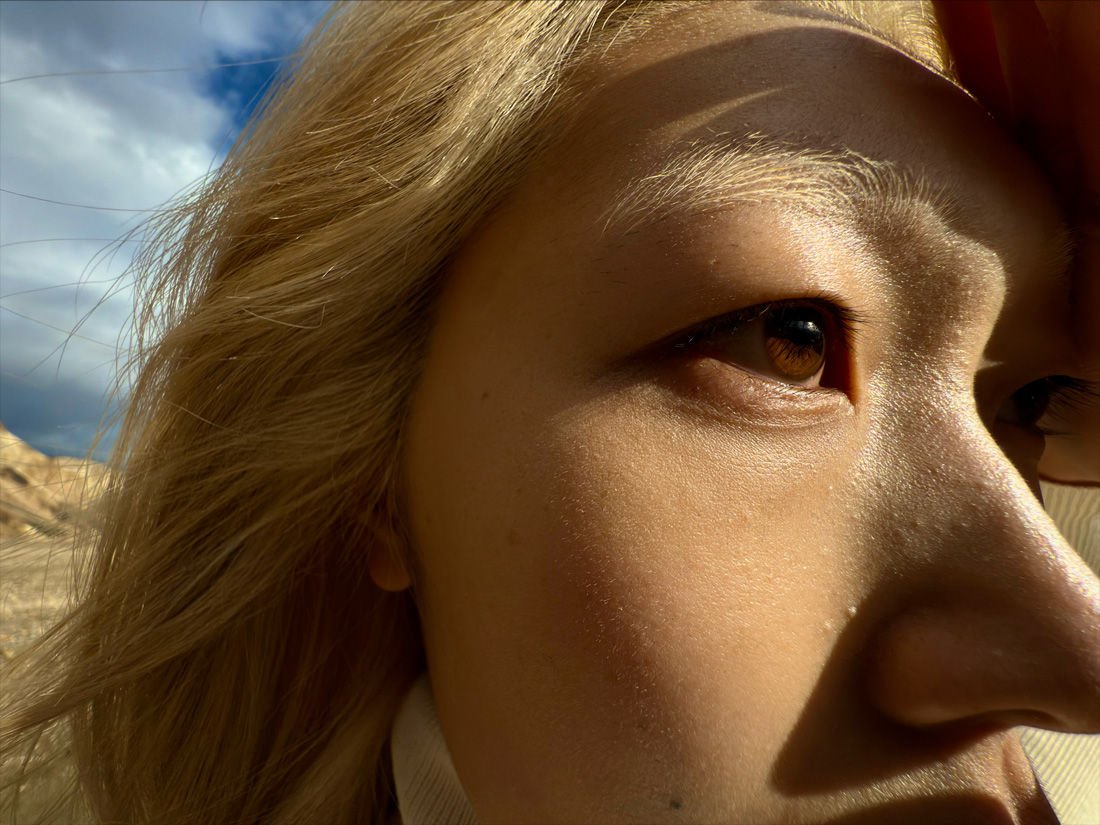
{"x":767,"y":568}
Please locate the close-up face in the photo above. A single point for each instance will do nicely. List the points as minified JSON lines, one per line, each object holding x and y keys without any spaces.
{"x":722,"y":476}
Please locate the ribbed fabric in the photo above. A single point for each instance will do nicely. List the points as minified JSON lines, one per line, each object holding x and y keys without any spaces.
{"x":1068,"y":766}
{"x":1076,"y":511}
{"x":428,"y":789}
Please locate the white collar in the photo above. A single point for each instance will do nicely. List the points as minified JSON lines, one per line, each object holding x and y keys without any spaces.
{"x":428,"y":789}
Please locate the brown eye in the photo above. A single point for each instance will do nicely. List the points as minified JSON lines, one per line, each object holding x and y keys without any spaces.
{"x":794,"y":342}
{"x":800,"y":343}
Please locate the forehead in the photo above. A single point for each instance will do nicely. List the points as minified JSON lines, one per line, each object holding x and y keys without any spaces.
{"x":690,"y":114}
{"x":787,"y":72}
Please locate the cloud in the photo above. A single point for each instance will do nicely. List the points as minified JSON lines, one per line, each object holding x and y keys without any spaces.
{"x":58,"y":419}
{"x":114,"y":141}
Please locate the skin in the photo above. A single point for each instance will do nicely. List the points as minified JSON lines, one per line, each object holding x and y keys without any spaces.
{"x":660,"y":586}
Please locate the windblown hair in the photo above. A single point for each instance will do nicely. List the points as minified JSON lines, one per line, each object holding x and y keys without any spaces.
{"x":229,"y":659}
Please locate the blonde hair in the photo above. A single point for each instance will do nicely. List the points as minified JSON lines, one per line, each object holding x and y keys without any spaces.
{"x":229,"y":659}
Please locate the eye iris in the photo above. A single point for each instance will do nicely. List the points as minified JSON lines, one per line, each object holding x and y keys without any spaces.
{"x":795,"y":342}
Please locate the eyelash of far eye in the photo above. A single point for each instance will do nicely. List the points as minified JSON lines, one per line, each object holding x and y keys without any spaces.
{"x":843,"y":321}
{"x":1067,"y":396}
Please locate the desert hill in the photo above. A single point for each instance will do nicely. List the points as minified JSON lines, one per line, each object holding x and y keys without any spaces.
{"x":38,"y":493}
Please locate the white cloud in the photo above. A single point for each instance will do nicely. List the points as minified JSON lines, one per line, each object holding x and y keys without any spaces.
{"x":124,"y":141}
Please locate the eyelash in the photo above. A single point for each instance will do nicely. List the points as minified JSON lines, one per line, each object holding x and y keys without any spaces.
{"x":1065,"y":397}
{"x":846,"y":321}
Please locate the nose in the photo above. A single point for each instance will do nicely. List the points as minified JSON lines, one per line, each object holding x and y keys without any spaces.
{"x":996,"y":621}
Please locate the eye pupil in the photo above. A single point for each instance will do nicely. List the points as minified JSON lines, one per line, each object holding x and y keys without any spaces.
{"x":795,"y":342}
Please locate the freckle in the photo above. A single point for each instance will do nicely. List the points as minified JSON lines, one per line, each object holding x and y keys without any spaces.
{"x":513,"y":537}
{"x":485,"y":395}
{"x":675,"y":804}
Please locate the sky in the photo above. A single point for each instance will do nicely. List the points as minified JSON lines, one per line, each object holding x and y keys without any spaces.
{"x":121,"y":137}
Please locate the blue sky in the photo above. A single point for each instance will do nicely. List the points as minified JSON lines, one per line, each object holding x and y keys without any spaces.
{"x":122,"y":140}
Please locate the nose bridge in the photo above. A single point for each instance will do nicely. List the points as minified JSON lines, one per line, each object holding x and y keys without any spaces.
{"x":952,"y":499}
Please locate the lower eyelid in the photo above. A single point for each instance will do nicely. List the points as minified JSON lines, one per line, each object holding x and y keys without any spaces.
{"x":731,"y":393}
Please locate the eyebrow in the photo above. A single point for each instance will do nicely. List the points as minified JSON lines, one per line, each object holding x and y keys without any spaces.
{"x":716,"y":175}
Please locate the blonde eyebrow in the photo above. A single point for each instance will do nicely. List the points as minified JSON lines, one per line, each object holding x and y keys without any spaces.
{"x":713,"y":176}
{"x":718,"y":175}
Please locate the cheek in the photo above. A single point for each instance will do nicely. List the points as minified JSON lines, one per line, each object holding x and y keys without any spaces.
{"x":690,"y":528}
{"x":695,"y":574}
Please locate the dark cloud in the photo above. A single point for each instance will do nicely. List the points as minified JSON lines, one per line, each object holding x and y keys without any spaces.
{"x":55,"y":417}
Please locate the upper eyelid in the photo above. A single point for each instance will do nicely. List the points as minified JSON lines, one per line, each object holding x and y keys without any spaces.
{"x":850,"y":321}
